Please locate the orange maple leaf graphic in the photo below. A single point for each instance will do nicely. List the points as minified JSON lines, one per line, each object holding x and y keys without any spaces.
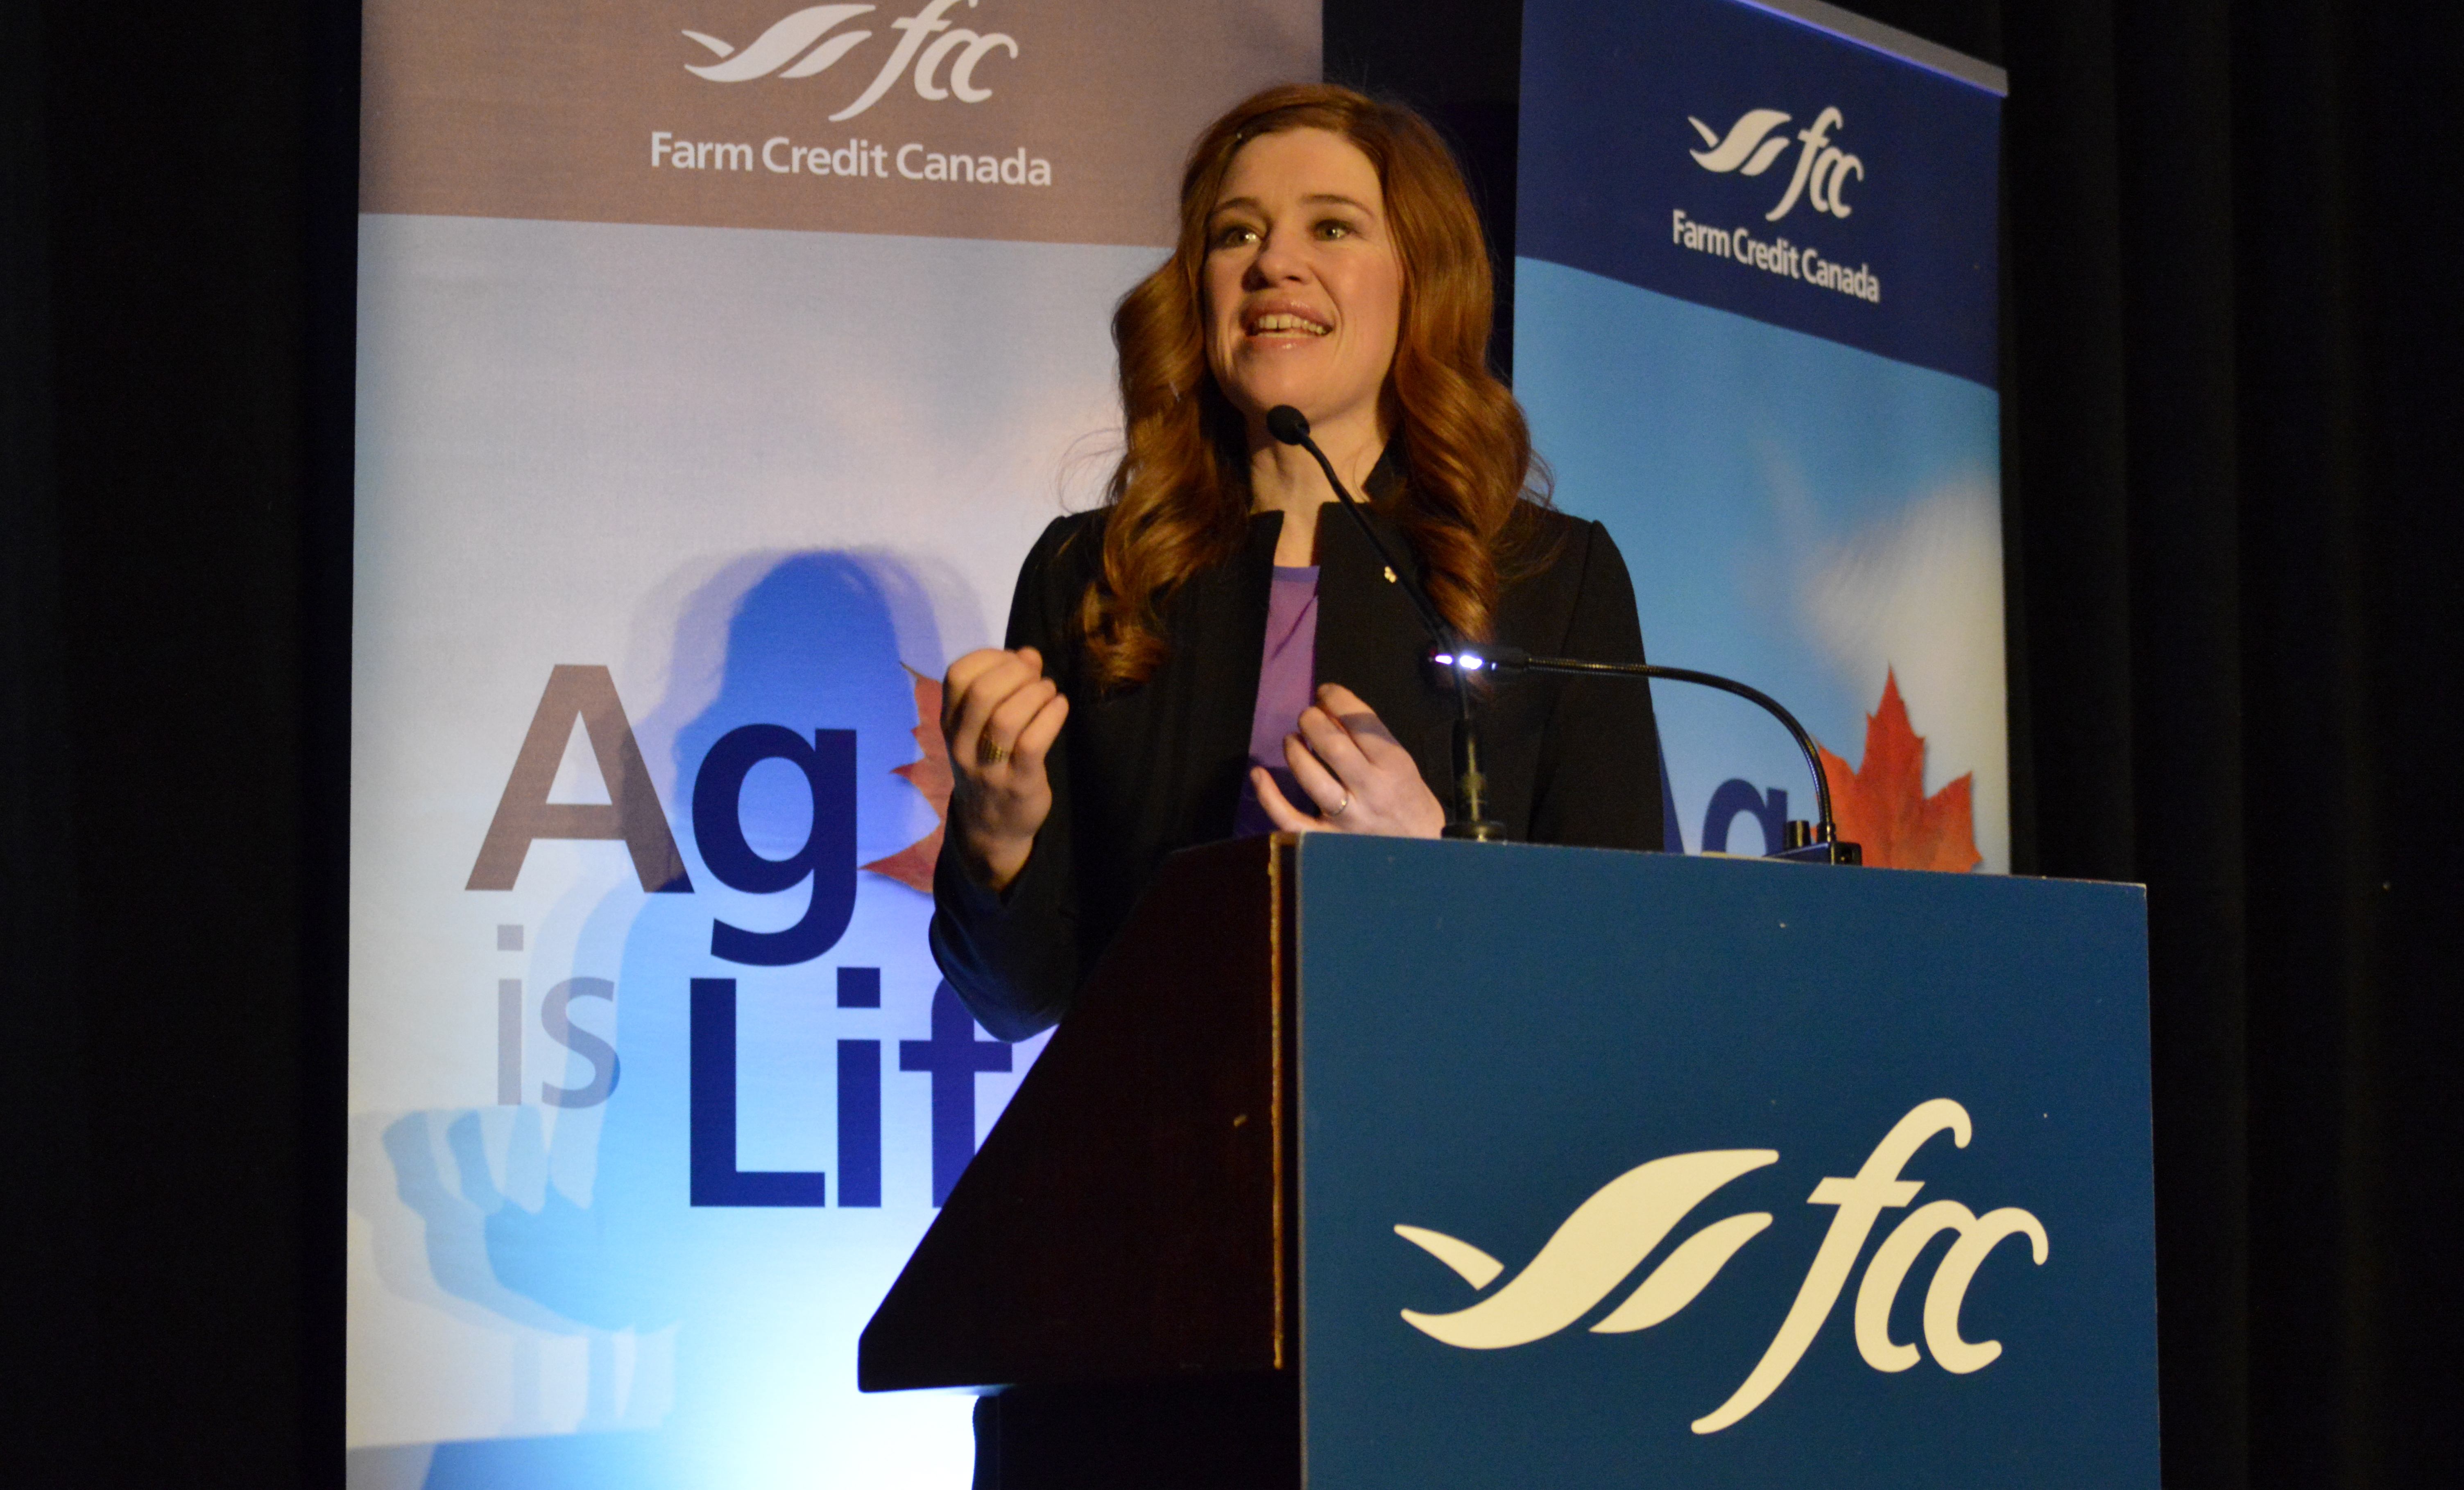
{"x":913,"y":864}
{"x":1881,"y":803}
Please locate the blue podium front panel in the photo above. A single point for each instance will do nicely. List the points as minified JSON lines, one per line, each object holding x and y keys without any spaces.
{"x":1632,"y":1170}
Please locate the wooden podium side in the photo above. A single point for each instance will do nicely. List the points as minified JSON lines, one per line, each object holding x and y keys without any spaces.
{"x":1131,"y":1216}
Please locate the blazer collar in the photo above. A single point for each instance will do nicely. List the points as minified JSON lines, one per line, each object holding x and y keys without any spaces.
{"x":1384,"y":482}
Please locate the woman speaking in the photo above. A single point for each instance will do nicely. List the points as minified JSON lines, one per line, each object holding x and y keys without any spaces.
{"x":1216,"y":651}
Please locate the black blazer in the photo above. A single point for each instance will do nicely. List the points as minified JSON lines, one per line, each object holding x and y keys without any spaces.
{"x":1143,"y":771}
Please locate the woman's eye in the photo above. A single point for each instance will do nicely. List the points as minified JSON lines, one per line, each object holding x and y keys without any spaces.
{"x":1235,"y":235}
{"x":1334,"y":227}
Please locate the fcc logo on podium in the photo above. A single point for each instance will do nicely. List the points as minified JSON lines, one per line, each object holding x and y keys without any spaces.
{"x":1608,"y":1234}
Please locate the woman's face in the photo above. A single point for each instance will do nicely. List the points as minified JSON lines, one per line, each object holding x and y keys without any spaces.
{"x":1304,"y":287}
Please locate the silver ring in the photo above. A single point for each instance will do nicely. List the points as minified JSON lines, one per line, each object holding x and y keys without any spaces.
{"x":1336,"y":811}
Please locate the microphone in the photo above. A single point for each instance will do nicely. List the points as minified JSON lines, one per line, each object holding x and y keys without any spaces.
{"x":1290,"y":426}
{"x":1819,"y":842}
{"x":1822,"y":843}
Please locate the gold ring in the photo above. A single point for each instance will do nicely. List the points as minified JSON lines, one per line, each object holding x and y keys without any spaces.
{"x":1336,"y":811}
{"x":987,"y":753}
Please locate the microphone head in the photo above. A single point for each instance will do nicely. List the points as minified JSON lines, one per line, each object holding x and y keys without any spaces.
{"x":1287,"y":423}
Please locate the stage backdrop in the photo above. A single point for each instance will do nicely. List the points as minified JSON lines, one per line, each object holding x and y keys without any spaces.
{"x":1755,"y":330}
{"x":719,"y":361}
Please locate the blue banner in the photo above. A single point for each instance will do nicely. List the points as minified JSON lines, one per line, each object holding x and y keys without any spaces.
{"x":1755,"y":334}
{"x":1742,"y":158}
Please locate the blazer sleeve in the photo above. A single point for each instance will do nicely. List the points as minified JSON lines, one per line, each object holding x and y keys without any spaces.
{"x":1599,"y":779}
{"x":1013,"y":955}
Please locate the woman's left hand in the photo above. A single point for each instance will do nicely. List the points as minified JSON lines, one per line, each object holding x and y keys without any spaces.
{"x":1353,"y":771}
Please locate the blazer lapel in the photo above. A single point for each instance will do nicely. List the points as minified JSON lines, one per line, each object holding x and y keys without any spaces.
{"x":1219,"y":628}
{"x":1370,"y":640}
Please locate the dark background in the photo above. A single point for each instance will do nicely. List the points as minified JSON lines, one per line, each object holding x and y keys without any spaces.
{"x":2232,"y":393}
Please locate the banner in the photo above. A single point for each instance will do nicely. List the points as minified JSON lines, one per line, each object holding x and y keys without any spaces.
{"x":718,"y":363}
{"x":1755,"y":332}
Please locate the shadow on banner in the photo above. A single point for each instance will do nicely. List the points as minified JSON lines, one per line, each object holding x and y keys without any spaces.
{"x":713,"y":1336}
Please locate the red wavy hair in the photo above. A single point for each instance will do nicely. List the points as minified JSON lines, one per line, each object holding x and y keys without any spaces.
{"x":1179,"y":497}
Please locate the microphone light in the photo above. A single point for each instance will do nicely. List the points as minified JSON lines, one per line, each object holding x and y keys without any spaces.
{"x":1291,"y":426}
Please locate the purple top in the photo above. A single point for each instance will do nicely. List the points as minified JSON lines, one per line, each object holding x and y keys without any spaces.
{"x":1287,"y":679}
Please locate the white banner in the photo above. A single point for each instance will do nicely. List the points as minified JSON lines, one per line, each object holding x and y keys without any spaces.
{"x":698,"y":406}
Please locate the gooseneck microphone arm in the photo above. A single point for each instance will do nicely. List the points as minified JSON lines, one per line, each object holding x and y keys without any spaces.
{"x":1826,"y":844}
{"x":1470,"y":818}
{"x":1290,"y":426}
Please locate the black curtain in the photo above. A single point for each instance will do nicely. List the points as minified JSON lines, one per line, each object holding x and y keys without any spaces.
{"x":177,"y":206}
{"x":2232,"y":393}
{"x":2236,"y":395}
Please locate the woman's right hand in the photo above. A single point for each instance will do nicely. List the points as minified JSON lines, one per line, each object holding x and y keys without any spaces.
{"x":999,"y":714}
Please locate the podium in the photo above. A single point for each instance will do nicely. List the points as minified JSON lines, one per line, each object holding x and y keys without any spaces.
{"x":1534,"y":1165}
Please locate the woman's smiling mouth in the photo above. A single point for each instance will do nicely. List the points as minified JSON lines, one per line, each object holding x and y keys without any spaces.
{"x":1285,"y":323}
